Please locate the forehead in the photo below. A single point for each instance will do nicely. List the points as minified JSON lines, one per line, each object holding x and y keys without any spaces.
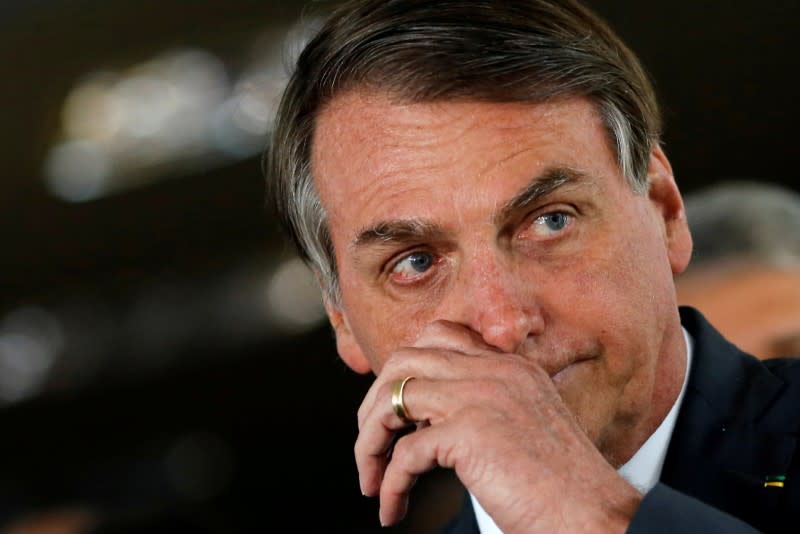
{"x":360,"y":115}
{"x":371,"y":153}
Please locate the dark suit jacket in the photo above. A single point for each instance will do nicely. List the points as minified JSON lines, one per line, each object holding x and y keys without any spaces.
{"x":738,"y":425}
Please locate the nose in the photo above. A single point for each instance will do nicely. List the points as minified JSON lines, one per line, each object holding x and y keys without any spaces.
{"x":504,"y":325}
{"x":499,"y":304}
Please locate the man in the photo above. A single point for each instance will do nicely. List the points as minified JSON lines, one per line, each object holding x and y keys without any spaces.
{"x":745,"y":271}
{"x":480,"y":190}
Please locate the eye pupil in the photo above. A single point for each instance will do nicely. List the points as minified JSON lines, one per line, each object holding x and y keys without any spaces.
{"x":420,"y":262}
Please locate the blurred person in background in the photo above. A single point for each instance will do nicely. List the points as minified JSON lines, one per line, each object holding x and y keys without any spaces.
{"x":745,"y":269}
{"x":480,"y":190}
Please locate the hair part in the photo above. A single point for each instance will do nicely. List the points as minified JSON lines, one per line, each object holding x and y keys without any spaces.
{"x":436,"y":50}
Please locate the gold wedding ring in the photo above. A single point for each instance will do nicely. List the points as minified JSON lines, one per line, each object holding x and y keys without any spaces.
{"x":397,"y":400}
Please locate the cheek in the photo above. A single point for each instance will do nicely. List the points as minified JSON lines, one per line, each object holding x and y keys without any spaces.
{"x":638,"y":273}
{"x":612,"y":295}
{"x":381,"y":325}
{"x":596,"y":283}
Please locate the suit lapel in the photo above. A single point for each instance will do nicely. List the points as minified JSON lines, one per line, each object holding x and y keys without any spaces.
{"x":725,"y":441}
{"x":465,"y":522}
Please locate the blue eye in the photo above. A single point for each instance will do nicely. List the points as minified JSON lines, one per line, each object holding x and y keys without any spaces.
{"x":420,"y":261}
{"x":414,"y":264}
{"x":551,"y":223}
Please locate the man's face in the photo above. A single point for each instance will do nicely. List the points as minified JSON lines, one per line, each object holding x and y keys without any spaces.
{"x":512,"y":221}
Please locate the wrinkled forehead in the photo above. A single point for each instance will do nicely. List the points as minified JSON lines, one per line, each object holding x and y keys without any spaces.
{"x":372,"y":151}
{"x":370,"y":133}
{"x":370,"y":117}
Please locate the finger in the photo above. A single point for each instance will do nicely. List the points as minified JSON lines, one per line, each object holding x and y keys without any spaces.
{"x":381,"y":388}
{"x":432,"y":362}
{"x":432,"y":403}
{"x":414,"y":455}
{"x":452,"y":336}
{"x":380,"y":430}
{"x":372,"y":450}
{"x":436,"y":353}
{"x":410,"y":362}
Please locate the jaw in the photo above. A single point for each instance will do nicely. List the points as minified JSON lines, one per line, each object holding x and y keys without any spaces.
{"x":649,"y":398}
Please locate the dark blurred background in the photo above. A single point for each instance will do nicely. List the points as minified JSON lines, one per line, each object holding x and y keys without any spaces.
{"x":164,"y":359}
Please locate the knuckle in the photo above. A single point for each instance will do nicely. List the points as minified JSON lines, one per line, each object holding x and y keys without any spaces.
{"x":401,"y":450}
{"x":396,"y":362}
{"x":358,"y":448}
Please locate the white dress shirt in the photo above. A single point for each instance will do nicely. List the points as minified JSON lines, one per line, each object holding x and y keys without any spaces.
{"x":643,"y":469}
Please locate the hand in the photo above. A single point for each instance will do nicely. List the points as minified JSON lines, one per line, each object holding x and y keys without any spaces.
{"x":498,"y":420}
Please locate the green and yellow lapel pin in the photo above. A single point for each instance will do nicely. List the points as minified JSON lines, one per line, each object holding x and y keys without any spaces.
{"x":774,"y":481}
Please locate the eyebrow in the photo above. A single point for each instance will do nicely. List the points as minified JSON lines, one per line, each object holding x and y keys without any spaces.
{"x":399,"y":231}
{"x":414,"y":230}
{"x":541,"y":186}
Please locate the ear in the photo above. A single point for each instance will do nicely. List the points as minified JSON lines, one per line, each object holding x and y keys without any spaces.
{"x":349,"y":350}
{"x":666,"y":198}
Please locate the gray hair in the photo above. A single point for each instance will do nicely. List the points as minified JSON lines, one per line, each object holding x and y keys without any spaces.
{"x":744,"y":221}
{"x":433,"y":50}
